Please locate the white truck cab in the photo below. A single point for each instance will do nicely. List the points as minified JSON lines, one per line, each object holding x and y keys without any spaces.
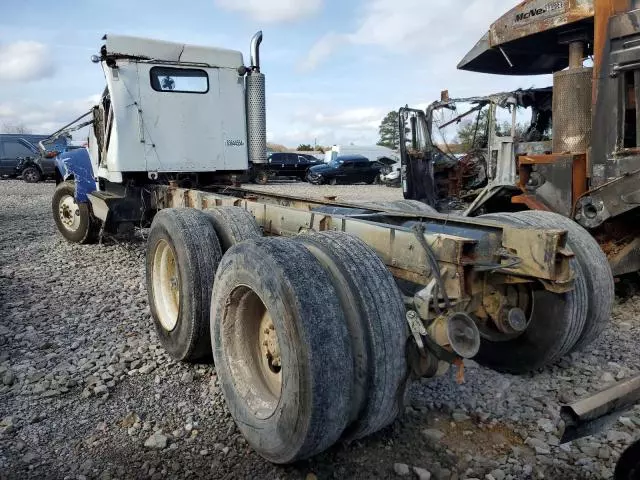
{"x":172,"y":108}
{"x":171,"y":114}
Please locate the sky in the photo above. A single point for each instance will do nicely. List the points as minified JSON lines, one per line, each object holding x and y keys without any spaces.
{"x":333,"y":68}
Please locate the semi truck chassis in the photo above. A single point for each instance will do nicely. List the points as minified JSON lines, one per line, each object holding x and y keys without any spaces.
{"x":318,"y":314}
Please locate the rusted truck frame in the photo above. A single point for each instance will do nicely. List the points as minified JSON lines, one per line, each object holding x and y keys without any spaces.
{"x":473,"y":257}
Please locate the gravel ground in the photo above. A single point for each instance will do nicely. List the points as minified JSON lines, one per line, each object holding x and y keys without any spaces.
{"x":87,"y":392}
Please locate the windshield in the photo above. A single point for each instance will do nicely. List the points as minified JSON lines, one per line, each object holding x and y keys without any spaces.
{"x":336,"y":162}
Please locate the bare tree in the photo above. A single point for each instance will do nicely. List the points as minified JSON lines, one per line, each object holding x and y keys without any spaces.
{"x":19,"y":128}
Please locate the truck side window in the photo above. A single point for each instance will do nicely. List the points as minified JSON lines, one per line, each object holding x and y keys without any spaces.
{"x":179,"y":80}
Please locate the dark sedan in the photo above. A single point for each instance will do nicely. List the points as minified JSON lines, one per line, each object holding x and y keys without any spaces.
{"x":347,"y":169}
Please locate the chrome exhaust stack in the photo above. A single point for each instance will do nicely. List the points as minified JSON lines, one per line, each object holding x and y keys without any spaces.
{"x":256,"y":40}
{"x":256,"y":105}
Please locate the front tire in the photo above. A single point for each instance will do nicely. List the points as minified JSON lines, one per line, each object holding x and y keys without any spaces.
{"x":409,"y":206}
{"x":281,"y":348}
{"x":74,"y":220}
{"x":31,"y":175}
{"x":182,"y":256}
{"x":261,"y":177}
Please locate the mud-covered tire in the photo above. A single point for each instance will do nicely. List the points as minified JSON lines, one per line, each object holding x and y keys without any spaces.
{"x":74,"y":220}
{"x":595,"y":268}
{"x":409,"y":206}
{"x":375,"y":315}
{"x":31,"y":174}
{"x":261,"y":177}
{"x":233,"y":225}
{"x":557,"y":320}
{"x":302,"y":408}
{"x":182,"y":255}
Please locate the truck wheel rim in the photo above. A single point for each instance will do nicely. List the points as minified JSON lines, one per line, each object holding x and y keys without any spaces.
{"x":30,"y":176}
{"x":69,"y":213}
{"x":251,"y":345}
{"x":166,"y":285}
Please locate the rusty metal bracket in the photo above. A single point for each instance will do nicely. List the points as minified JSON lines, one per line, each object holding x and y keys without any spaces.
{"x":543,"y":253}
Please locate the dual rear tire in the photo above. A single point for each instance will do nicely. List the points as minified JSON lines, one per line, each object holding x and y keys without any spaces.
{"x":308,"y":334}
{"x":560,"y":323}
{"x":309,"y":338}
{"x":183,"y":252}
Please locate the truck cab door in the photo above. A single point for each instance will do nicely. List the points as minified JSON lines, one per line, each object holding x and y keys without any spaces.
{"x":289,"y":166}
{"x":302,"y":166}
{"x":182,"y":120}
{"x":347,"y":171}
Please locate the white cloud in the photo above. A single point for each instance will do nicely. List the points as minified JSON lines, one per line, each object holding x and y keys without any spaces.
{"x":417,"y":27}
{"x":323,"y":49}
{"x":353,"y":119}
{"x":327,"y":126}
{"x":25,"y":61}
{"x":44,"y":118}
{"x":273,"y":10}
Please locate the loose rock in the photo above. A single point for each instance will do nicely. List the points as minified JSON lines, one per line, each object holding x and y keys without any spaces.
{"x":156,"y":441}
{"x":401,"y":469}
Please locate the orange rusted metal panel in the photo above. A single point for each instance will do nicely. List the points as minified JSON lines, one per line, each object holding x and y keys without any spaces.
{"x":534,"y":16}
{"x":530,"y":201}
{"x":541,"y":159}
{"x":579,"y":179}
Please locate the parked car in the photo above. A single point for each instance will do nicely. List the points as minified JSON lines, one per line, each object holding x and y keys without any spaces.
{"x":20,"y":152}
{"x":14,"y":150}
{"x":43,"y":166}
{"x":284,"y":165}
{"x":347,"y":169}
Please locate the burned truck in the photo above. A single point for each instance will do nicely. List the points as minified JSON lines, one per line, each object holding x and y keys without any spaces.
{"x":455,"y":175}
{"x":579,"y":154}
